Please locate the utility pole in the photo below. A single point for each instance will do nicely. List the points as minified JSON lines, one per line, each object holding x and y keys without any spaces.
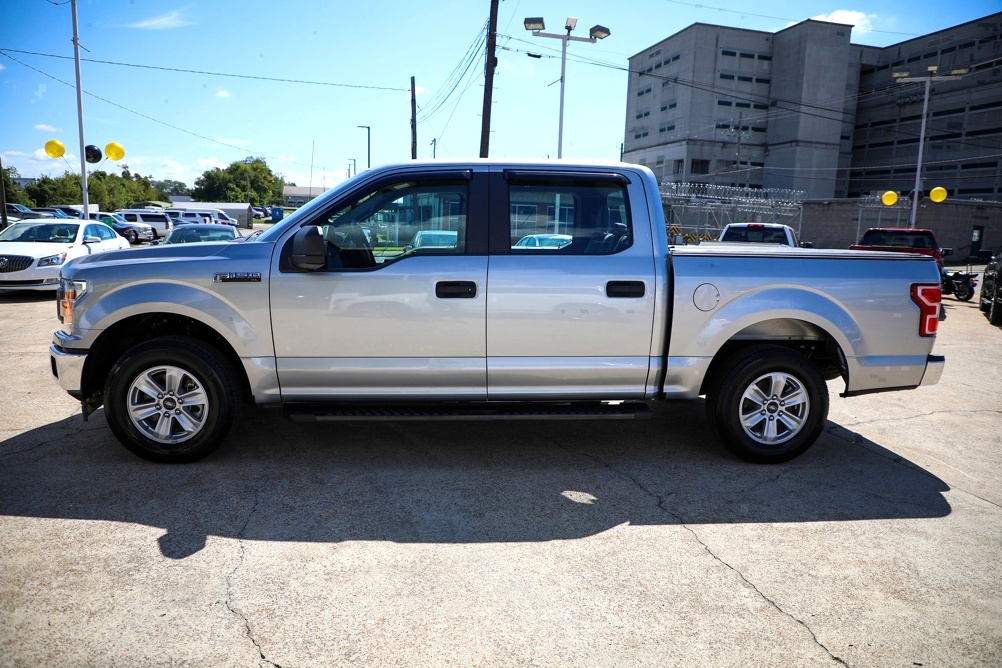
{"x":3,"y":200}
{"x":434,"y":147}
{"x":413,"y":120}
{"x":491,"y":63}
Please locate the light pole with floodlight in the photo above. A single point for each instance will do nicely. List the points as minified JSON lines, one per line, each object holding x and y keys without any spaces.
{"x":537,"y":25}
{"x":928,"y":79}
{"x":368,"y":145}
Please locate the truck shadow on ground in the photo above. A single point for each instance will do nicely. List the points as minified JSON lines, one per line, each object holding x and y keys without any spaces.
{"x":463,"y":482}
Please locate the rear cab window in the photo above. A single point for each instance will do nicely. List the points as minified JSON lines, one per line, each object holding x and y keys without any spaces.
{"x":578,"y":215}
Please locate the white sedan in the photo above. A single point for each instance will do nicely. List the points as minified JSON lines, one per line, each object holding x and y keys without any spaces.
{"x":33,"y":250}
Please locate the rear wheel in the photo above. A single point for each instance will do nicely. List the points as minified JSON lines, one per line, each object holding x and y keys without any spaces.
{"x":770,"y":404}
{"x":132,"y":237}
{"x":963,"y":291}
{"x":171,"y":399}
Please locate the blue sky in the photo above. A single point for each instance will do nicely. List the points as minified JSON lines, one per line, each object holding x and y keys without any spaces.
{"x":301,"y":76}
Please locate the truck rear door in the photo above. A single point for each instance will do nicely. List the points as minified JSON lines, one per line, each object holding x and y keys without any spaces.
{"x":571,"y":316}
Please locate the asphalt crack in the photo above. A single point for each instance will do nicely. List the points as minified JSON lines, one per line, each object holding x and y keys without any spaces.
{"x":681,"y":521}
{"x":248,"y":631}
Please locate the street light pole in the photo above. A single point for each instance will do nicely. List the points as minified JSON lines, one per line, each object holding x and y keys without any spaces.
{"x":928,"y":79}
{"x":537,"y":25}
{"x":368,"y":146}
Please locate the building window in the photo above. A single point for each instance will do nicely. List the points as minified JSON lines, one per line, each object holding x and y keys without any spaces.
{"x":700,"y":166}
{"x":747,"y":55}
{"x":762,"y":56}
{"x":724,"y":103}
{"x":744,"y":78}
{"x":666,"y":128}
{"x":679,"y":166}
{"x":726,"y":52}
{"x":727,"y":76}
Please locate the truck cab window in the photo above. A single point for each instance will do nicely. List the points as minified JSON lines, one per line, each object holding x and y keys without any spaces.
{"x":568,"y":218}
{"x":394,"y":221}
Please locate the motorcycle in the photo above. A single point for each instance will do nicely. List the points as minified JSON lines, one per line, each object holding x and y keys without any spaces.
{"x":960,"y":284}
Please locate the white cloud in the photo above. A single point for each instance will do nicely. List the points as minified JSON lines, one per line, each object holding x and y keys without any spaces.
{"x":162,"y":22}
{"x":2,"y":67}
{"x":861,"y":21}
{"x":223,"y":93}
{"x":33,"y":165}
{"x":45,"y":128}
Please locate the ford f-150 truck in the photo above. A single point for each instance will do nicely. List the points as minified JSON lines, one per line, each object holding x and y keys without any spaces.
{"x":336,"y":313}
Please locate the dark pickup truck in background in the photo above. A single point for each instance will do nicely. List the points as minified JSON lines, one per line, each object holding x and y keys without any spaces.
{"x":902,"y":240}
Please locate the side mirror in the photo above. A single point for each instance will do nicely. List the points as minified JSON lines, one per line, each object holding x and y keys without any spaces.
{"x":309,"y":249}
{"x":156,"y":242}
{"x":92,"y":240}
{"x":945,"y":252}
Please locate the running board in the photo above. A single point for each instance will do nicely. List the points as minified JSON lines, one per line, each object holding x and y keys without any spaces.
{"x":634,"y":410}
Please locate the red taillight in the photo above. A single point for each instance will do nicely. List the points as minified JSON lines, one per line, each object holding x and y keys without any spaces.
{"x":928,"y":298}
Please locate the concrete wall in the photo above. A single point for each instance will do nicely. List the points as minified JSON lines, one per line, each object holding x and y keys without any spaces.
{"x":838,"y":223}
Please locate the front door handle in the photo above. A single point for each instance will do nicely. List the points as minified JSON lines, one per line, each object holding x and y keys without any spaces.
{"x":625,"y":289}
{"x":456,"y":290}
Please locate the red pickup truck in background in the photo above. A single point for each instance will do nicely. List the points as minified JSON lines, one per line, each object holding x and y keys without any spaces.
{"x":902,"y":240}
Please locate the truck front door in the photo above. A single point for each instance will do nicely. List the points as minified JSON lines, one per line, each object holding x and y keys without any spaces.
{"x":385,"y":319}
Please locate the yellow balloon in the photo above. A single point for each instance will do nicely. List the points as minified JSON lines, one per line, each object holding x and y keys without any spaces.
{"x":937,"y":194}
{"x":54,"y":148}
{"x":889,"y":198}
{"x":114,"y":150}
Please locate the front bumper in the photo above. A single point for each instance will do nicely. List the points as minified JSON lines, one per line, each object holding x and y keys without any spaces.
{"x":67,"y":369}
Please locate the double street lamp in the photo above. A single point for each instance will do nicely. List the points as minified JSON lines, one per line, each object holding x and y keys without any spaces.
{"x":537,"y":25}
{"x":931,"y":76}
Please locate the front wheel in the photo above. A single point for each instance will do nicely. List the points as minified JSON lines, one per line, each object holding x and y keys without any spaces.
{"x":770,"y":404}
{"x":171,"y":399}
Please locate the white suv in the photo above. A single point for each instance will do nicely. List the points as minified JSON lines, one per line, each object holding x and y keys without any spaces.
{"x":155,"y":218}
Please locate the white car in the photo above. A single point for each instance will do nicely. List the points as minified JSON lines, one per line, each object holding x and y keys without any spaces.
{"x":32,"y":251}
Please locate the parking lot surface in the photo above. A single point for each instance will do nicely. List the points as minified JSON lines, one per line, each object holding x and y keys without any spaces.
{"x":506,"y":544}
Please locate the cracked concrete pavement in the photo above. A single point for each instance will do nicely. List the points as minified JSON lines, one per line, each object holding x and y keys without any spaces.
{"x":506,"y":544}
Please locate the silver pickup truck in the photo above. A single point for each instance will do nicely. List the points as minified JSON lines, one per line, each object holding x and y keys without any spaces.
{"x":337,"y":314}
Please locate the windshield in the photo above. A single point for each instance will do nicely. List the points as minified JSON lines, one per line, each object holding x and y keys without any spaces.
{"x":56,"y":233}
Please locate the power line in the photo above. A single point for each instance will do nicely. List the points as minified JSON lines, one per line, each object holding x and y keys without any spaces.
{"x":150,"y":118}
{"x":4,"y":51}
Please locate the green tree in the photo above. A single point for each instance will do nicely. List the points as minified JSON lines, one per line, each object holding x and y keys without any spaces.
{"x":249,"y":180}
{"x":14,"y":194}
{"x":169,"y":187}
{"x":48,"y":190}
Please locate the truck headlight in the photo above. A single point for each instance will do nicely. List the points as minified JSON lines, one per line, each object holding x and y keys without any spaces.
{"x":52,"y":260}
{"x":67,"y":294}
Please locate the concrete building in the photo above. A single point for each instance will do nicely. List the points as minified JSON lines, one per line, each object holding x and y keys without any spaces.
{"x":806,"y":111}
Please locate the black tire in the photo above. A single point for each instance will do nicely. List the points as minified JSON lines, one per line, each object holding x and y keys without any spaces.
{"x":769,"y":404}
{"x":162,"y":428}
{"x":963,"y":291}
{"x":131,"y":237}
{"x":994,"y":308}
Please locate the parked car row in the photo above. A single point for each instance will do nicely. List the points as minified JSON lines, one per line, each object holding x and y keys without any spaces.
{"x":33,"y":250}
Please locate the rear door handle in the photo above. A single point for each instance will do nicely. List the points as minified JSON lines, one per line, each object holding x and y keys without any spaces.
{"x":456,"y":290}
{"x":625,"y":289}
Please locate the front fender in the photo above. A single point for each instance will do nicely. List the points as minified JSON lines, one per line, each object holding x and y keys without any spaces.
{"x":241,"y":318}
